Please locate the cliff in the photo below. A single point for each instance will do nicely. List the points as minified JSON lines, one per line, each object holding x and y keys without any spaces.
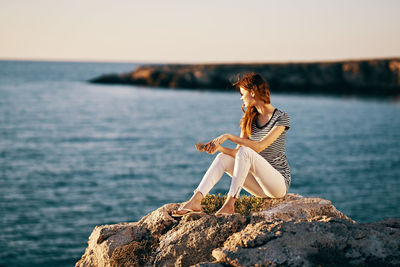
{"x":379,"y":77}
{"x":292,"y":231}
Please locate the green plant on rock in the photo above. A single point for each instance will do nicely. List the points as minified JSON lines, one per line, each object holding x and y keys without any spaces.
{"x":244,"y":205}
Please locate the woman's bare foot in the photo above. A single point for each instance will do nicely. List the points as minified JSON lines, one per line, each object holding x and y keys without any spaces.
{"x":194,"y":203}
{"x":225,"y":210}
{"x":228,"y":207}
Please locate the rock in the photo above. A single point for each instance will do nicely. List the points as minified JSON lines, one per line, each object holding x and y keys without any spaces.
{"x":293,"y":230}
{"x":377,"y":77}
{"x":105,"y":239}
{"x":296,"y":207}
{"x":192,"y":241}
{"x":159,"y":221}
{"x":321,"y":242}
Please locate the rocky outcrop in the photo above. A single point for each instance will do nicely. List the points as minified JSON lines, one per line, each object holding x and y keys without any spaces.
{"x":292,"y":231}
{"x":379,"y":77}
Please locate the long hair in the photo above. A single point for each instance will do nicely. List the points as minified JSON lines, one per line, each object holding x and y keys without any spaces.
{"x":251,"y":81}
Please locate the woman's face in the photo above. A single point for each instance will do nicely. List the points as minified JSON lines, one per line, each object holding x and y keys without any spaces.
{"x":246,"y":97}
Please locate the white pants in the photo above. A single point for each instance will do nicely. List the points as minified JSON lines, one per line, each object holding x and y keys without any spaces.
{"x":248,"y":170}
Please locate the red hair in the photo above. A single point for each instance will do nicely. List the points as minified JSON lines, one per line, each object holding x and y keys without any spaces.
{"x":252,"y":82}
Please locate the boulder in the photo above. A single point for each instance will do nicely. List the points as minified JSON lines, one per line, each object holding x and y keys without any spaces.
{"x":291,"y":231}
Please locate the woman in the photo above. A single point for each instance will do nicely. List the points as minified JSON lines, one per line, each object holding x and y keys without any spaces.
{"x":258,"y":164}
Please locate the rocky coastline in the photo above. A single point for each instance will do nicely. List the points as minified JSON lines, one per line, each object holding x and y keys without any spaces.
{"x":292,"y":231}
{"x":374,"y":77}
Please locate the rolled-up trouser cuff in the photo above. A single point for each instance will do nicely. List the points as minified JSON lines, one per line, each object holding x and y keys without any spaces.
{"x":235,"y":194}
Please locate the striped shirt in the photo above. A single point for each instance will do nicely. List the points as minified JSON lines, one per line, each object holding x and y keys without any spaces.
{"x":274,"y":153}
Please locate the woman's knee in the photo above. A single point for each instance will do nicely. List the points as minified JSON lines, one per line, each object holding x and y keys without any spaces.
{"x":224,"y":158}
{"x":244,"y":151}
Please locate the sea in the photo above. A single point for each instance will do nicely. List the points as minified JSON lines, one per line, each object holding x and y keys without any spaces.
{"x":74,"y":155}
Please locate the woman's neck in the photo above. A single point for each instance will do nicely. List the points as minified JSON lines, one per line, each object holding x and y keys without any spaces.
{"x":264,"y":109}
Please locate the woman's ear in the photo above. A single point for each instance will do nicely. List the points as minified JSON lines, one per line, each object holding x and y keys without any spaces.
{"x":252,"y":93}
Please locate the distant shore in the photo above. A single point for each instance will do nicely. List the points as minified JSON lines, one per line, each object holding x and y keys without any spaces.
{"x":377,"y":77}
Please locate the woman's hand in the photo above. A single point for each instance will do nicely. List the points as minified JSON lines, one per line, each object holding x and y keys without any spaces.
{"x":212,"y":150}
{"x":212,"y":146}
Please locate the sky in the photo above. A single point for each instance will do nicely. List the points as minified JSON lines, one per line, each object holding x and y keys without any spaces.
{"x":186,"y":31}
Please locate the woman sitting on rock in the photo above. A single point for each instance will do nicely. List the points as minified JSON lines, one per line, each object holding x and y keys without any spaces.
{"x":258,"y":164}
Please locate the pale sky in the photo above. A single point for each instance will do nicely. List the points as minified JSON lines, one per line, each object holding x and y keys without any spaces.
{"x":199,"y":31}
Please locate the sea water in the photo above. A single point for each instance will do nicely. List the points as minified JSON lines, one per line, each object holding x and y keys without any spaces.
{"x":74,"y":155}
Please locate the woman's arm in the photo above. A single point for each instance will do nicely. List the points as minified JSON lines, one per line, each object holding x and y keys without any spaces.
{"x":226,"y":150}
{"x":258,"y":146}
{"x":230,"y":151}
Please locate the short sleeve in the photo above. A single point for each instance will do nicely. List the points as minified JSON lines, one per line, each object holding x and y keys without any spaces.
{"x":283,"y":120}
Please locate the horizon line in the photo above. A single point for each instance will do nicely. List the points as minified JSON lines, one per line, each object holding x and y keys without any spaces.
{"x":199,"y":62}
